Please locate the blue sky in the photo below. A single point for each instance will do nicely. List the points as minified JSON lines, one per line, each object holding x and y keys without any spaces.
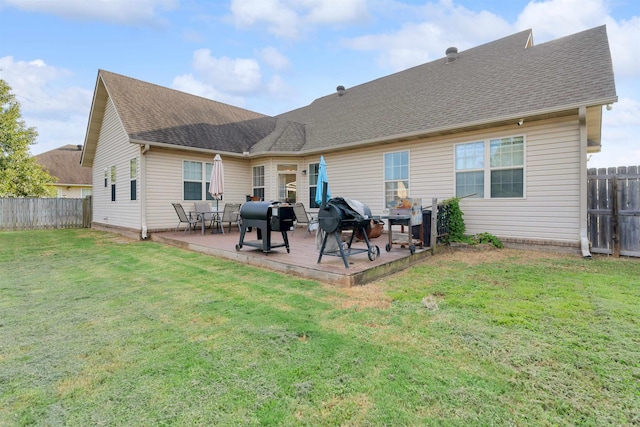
{"x":273,"y":56}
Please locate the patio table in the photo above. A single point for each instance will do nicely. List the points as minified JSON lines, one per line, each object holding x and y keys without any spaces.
{"x":200,"y":215}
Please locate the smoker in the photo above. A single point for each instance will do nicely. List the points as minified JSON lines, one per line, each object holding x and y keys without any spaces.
{"x":337,"y":215}
{"x":265,"y":217}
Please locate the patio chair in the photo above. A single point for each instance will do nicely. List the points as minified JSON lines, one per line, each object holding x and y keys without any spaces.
{"x":205,"y":213}
{"x":230,"y":214}
{"x":304,"y":217}
{"x":183,"y":217}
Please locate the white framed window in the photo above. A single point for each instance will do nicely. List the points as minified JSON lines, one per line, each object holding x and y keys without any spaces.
{"x":396,"y":177}
{"x":113,"y":183}
{"x":492,"y":168}
{"x":133,"y":178}
{"x":258,"y":182}
{"x":313,"y":183}
{"x":195,"y":180}
{"x":470,"y":169}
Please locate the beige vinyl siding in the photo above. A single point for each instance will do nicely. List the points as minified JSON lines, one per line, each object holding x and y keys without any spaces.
{"x":114,"y":149}
{"x":164,"y":183}
{"x":549,"y":210}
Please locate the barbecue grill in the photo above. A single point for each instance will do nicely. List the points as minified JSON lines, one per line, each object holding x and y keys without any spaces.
{"x":265,"y":217}
{"x":408,"y":214}
{"x":337,"y":215}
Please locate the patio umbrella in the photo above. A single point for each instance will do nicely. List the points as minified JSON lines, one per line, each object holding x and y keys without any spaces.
{"x":216,"y":183}
{"x":322,"y":181}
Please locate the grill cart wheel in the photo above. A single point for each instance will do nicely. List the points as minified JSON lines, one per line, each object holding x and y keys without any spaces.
{"x":238,"y":247}
{"x":388,"y":247}
{"x":374,"y":252}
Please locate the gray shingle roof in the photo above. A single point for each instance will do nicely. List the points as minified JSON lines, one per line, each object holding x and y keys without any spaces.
{"x":157,"y":114}
{"x":64,"y":164}
{"x":502,"y":80}
{"x":491,"y":82}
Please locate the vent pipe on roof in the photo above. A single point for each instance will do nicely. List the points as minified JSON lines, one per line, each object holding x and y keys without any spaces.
{"x":452,"y":54}
{"x":341,"y":90}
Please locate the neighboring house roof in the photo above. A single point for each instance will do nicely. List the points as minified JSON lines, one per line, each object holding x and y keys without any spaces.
{"x":497,"y":81}
{"x":64,"y":164}
{"x":492,"y":84}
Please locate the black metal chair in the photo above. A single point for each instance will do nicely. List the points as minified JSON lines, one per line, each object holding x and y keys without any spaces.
{"x":184,"y":218}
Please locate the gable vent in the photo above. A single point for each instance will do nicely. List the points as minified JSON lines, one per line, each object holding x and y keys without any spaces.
{"x":452,"y":54}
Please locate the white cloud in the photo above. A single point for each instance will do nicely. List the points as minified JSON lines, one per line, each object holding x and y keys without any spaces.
{"x":291,"y":18}
{"x":49,"y":101}
{"x":556,"y":18}
{"x":234,"y":75}
{"x":187,"y":83}
{"x":624,"y":38}
{"x":274,"y":58}
{"x":444,"y":25}
{"x":113,"y":11}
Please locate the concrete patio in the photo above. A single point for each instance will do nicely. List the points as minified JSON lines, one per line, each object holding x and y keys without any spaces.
{"x":303,"y":257}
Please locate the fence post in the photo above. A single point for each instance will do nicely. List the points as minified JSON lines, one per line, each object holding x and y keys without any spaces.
{"x":615,"y":218}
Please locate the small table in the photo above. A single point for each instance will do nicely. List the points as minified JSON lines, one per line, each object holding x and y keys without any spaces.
{"x":200,"y":215}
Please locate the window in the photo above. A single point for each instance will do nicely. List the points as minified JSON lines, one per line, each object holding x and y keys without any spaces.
{"x":313,"y":184}
{"x":84,"y":192}
{"x":207,"y":176}
{"x":192,"y":180}
{"x":505,"y":169}
{"x":396,"y":177}
{"x":133,"y":174}
{"x":195,"y":180}
{"x":113,"y":183}
{"x":258,"y":182}
{"x":470,"y":169}
{"x":106,"y":178}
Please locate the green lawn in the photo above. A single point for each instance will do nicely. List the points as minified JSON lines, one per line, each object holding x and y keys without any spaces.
{"x":99,"y":330}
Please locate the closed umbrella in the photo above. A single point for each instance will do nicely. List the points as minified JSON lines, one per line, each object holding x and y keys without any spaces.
{"x":322,"y":181}
{"x":216,"y":183}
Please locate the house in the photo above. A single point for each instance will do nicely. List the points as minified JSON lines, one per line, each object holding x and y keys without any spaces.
{"x":63,"y":163}
{"x":507,"y":125}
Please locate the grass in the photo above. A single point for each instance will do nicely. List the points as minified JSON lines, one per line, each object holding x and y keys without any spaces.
{"x":99,"y":330}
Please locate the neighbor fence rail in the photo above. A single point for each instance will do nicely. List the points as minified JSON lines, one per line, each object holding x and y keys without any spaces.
{"x":613,"y":212}
{"x":34,"y":213}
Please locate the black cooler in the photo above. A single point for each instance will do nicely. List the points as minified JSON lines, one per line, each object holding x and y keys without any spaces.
{"x":265,"y":217}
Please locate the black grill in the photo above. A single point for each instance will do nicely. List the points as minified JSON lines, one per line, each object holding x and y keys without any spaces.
{"x":265,"y":217}
{"x":336,"y":216}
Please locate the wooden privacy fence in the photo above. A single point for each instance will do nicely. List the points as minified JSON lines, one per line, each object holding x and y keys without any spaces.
{"x":33,"y":213}
{"x":614,"y":210}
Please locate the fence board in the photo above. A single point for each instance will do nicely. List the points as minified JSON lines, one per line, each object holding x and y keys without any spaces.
{"x":34,"y":213}
{"x":614,"y":210}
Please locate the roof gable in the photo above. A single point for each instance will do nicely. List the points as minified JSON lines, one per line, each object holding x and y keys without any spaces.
{"x":158,"y":115}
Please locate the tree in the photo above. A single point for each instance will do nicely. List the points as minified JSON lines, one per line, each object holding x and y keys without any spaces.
{"x":20,"y":174}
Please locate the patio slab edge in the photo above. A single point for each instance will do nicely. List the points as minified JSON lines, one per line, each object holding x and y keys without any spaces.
{"x":345,"y":278}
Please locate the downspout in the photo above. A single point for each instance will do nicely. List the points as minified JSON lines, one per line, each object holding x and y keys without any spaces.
{"x":584,"y":239}
{"x":143,"y":190}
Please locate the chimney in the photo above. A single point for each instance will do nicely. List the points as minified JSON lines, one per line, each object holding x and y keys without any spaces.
{"x":452,"y":54}
{"x":341,"y":90}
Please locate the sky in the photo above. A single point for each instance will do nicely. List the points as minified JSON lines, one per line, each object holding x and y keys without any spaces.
{"x":273,"y":56}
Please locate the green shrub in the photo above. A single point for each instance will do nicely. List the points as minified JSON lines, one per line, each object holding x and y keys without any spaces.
{"x":487,"y":238}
